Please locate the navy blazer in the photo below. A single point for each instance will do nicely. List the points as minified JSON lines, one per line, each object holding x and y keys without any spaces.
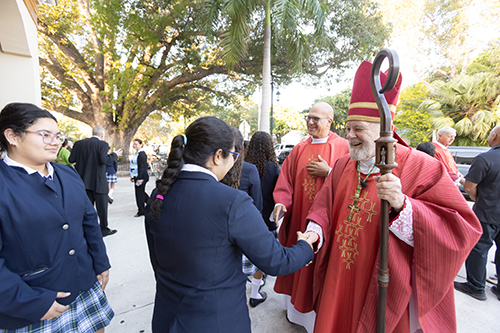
{"x":250,"y":183}
{"x":267,"y":185}
{"x":195,"y":248}
{"x":50,"y":241}
{"x":91,"y":156}
{"x":142,"y":167}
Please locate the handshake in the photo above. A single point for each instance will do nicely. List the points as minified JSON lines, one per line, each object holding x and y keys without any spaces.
{"x":310,"y":237}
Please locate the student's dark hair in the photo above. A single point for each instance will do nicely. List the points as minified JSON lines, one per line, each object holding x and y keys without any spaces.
{"x":260,"y":149}
{"x":233,"y":176}
{"x":427,"y":147}
{"x":138,"y":140}
{"x":203,"y":137}
{"x":18,"y":117}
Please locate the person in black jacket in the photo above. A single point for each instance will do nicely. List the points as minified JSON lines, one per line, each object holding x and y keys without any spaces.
{"x":139,"y":176}
{"x":91,"y":156}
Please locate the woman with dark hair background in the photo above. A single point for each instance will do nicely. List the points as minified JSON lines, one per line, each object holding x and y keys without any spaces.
{"x":139,"y":176}
{"x":245,"y":177}
{"x":53,"y":262}
{"x":197,"y":230}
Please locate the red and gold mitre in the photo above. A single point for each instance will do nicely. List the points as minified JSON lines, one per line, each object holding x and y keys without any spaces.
{"x":363,"y":106}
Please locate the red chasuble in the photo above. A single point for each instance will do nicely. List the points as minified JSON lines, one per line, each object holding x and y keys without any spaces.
{"x":445,"y":156}
{"x":345,"y":281}
{"x":296,"y":189}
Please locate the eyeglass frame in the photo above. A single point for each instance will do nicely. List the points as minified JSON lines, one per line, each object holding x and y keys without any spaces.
{"x":61,"y":137}
{"x":315,"y":120}
{"x":231,"y":152}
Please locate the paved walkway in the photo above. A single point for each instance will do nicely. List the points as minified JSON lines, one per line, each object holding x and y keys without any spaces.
{"x":132,"y":287}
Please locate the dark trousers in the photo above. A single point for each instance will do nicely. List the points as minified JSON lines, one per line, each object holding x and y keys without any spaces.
{"x":141,"y":198}
{"x":101,"y":204}
{"x":478,"y":257}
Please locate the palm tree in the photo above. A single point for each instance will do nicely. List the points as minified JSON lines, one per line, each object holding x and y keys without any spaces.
{"x":289,"y":18}
{"x":470,"y":103}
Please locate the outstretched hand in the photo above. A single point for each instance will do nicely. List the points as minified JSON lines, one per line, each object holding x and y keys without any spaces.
{"x":309,"y":237}
{"x":277,"y":212}
{"x":318,"y":168}
{"x":56,"y":309}
{"x":389,"y":188}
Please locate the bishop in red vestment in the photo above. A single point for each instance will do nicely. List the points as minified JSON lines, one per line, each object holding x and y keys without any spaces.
{"x":302,"y":175}
{"x":432,"y":230}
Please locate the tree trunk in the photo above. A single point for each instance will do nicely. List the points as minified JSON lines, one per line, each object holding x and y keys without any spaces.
{"x":266,"y":74}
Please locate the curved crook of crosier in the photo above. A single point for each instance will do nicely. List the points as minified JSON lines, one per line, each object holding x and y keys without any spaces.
{"x":376,"y":85}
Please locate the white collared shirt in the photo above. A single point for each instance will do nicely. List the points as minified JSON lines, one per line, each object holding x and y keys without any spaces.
{"x":10,"y":162}
{"x":197,"y":168}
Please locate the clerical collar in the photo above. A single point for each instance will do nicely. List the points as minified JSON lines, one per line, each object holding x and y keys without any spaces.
{"x":10,"y":162}
{"x":197,"y":168}
{"x":322,"y":140}
{"x":441,"y":145}
{"x":365,"y":166}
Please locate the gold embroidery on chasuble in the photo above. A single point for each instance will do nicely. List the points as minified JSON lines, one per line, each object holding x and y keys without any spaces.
{"x":348,"y":231}
{"x":309,"y":183}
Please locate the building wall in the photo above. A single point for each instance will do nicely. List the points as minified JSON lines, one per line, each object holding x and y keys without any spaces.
{"x":19,"y":72}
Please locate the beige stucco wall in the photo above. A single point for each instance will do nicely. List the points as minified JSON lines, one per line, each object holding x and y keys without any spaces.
{"x":19,"y":74}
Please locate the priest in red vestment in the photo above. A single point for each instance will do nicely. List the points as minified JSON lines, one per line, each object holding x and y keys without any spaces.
{"x":302,"y":175}
{"x":446,"y":136}
{"x":432,"y":230}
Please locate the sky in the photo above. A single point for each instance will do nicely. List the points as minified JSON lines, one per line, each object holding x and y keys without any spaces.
{"x":301,"y":96}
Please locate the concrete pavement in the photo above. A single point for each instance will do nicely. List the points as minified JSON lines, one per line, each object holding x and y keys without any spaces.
{"x":132,"y":287}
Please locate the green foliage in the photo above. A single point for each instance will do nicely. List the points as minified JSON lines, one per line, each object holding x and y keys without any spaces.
{"x":340,"y":103}
{"x":73,"y":129}
{"x":470,"y":102}
{"x":414,"y":126}
{"x":286,"y":120}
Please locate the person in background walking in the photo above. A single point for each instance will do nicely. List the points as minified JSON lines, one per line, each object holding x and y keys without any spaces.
{"x":111,"y":169}
{"x":90,"y":157}
{"x":139,"y":176}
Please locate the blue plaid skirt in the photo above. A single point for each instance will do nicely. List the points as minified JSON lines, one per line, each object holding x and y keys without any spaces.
{"x":111,"y":177}
{"x":248,"y":267}
{"x":88,"y":313}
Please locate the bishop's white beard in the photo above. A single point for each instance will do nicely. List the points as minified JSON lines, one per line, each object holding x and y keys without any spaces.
{"x":363,"y":152}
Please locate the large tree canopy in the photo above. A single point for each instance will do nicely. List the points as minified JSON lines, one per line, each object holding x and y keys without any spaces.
{"x":114,"y":62}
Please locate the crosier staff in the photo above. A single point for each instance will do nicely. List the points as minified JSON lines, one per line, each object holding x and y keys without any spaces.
{"x":385,"y":161}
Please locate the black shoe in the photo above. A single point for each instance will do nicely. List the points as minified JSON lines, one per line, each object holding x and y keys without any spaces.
{"x":465,"y":288}
{"x":263,"y":281}
{"x":495,"y":291}
{"x":110,"y":200}
{"x":256,"y":301}
{"x":108,"y":232}
{"x":138,"y":215}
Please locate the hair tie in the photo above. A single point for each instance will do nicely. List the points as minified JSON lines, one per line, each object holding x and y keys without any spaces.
{"x":185,"y":139}
{"x":159,"y":196}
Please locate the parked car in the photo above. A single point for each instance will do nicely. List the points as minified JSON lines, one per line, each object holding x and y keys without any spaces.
{"x":464,"y":155}
{"x":284,"y":153}
{"x":281,"y":147}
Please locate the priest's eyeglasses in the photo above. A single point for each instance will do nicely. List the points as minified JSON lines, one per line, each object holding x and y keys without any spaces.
{"x":48,"y":138}
{"x":235,"y":155}
{"x":314,"y":119}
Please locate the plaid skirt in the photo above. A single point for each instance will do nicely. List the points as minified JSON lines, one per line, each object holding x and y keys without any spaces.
{"x":248,"y":268}
{"x":88,"y":313}
{"x":111,"y":177}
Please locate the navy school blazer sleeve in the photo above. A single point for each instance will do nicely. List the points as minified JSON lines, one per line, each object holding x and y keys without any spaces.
{"x":250,"y":183}
{"x":259,"y":245}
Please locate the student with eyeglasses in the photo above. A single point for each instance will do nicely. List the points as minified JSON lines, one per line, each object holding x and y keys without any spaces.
{"x":197,"y":230}
{"x":53,"y":262}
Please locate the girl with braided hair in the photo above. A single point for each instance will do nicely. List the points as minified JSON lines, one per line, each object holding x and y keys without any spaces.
{"x":197,"y":230}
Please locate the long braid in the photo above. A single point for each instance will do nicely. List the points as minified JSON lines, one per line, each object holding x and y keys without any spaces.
{"x":175,"y":162}
{"x":202,"y":138}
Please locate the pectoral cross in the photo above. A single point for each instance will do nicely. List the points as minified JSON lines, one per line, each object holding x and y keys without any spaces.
{"x":354,"y":209}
